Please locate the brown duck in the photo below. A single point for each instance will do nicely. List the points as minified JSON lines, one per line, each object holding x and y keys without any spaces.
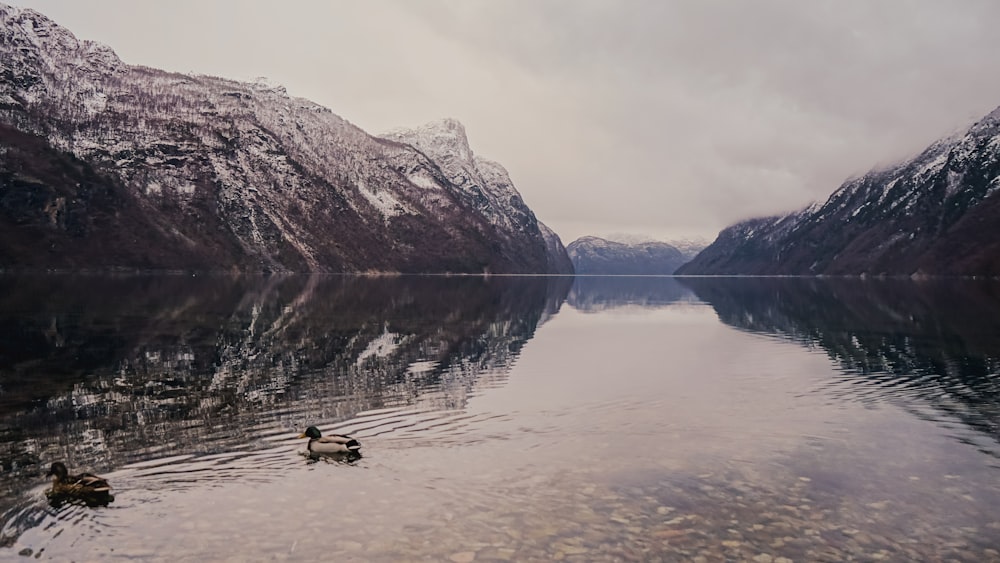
{"x":84,"y":485}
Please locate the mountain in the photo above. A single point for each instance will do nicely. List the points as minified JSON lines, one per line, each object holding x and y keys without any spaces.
{"x":106,"y":165}
{"x":689,"y":246}
{"x":593,"y":255}
{"x":933,"y":215}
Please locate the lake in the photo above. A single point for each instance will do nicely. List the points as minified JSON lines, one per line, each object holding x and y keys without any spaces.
{"x":503,"y":418}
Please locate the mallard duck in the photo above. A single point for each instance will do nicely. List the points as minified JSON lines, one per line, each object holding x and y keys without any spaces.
{"x":332,"y":444}
{"x":85,"y":486}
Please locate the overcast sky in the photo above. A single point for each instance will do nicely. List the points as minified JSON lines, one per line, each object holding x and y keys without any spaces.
{"x":664,"y":118}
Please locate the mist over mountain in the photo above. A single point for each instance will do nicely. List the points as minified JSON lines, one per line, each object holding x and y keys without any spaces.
{"x":936,"y":214}
{"x":107,"y":165}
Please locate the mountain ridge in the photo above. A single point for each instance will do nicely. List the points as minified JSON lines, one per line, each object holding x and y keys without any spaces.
{"x":598,"y":256}
{"x":234,"y":175}
{"x":929,"y":215}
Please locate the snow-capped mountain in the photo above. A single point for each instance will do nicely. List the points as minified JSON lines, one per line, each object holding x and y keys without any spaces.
{"x":689,"y":246}
{"x":935,"y":214}
{"x":594,"y":255}
{"x":109,"y":165}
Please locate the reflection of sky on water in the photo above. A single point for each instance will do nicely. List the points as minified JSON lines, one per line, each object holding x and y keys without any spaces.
{"x":483,"y":426}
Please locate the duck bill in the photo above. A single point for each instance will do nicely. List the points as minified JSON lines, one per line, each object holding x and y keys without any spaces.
{"x":302,"y":436}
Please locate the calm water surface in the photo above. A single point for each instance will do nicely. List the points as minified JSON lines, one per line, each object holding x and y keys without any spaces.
{"x":525,"y":419}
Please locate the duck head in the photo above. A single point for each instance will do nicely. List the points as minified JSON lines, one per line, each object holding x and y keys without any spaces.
{"x":58,"y":470}
{"x":312,"y":432}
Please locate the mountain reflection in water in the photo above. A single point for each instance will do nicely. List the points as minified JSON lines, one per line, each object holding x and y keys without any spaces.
{"x":935,"y":341}
{"x":593,"y":294}
{"x":103,"y":371}
{"x":650,"y":418}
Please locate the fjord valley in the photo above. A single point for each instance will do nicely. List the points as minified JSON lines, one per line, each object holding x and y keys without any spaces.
{"x":935,"y":214}
{"x":110,"y":166}
{"x":218,"y":341}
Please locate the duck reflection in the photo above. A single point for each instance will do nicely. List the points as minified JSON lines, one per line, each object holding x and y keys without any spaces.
{"x":340,"y":458}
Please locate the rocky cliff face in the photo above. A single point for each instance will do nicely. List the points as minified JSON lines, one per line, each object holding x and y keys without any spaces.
{"x":133,"y":167}
{"x":935,"y":214}
{"x":593,"y":255}
{"x":485,"y":187}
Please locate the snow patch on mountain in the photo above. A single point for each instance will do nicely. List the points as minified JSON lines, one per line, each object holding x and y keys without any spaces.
{"x":422,"y":179}
{"x":386,"y":204}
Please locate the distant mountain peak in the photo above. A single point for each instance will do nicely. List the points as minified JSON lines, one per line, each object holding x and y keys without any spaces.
{"x":599,"y":256}
{"x":441,"y":138}
{"x":265,"y":84}
{"x":55,"y":42}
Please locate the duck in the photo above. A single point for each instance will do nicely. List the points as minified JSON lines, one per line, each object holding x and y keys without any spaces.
{"x":332,"y":444}
{"x":85,"y":486}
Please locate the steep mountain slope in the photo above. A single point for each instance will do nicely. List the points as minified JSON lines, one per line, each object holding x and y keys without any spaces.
{"x":484,"y":186}
{"x":58,"y":211}
{"x":205,"y":172}
{"x":558,"y":258}
{"x":593,"y":255}
{"x":935,"y":214}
